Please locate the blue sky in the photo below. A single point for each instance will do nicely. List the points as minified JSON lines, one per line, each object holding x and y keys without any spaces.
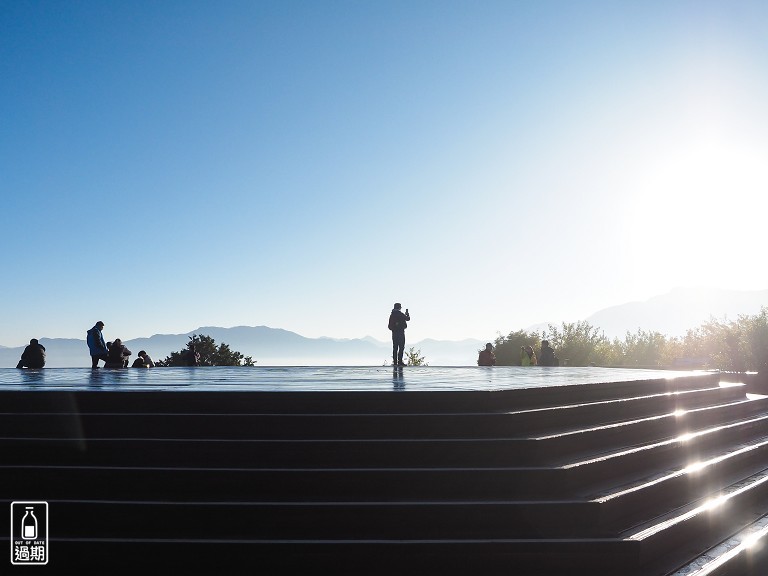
{"x":303,"y":165}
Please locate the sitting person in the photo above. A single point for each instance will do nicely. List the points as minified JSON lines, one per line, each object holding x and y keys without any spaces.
{"x":118,"y":355}
{"x":547,"y":356}
{"x":487,"y":357}
{"x":143,"y":361}
{"x":527,"y":356}
{"x":33,"y":355}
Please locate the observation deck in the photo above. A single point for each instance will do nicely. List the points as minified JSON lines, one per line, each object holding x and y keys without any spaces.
{"x":376,"y":470}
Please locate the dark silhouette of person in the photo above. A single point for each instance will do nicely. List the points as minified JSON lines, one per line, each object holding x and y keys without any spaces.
{"x":143,"y":361}
{"x":118,"y":355}
{"x":96,"y":344}
{"x":547,"y":356}
{"x":33,"y":355}
{"x":487,"y":357}
{"x":398,"y":324}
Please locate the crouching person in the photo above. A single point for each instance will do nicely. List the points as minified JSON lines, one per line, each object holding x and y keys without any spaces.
{"x":143,"y":361}
{"x":118,"y":355}
{"x":33,"y":355}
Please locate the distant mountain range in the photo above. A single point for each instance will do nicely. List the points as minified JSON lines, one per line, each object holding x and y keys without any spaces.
{"x":268,"y":346}
{"x":672,"y":314}
{"x":679,"y":310}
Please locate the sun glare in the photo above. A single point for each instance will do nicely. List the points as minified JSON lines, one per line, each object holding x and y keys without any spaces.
{"x":715,"y":502}
{"x":695,"y":467}
{"x":697,"y":209}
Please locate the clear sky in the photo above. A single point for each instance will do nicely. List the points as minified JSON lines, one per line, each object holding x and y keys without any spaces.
{"x":304,"y":164}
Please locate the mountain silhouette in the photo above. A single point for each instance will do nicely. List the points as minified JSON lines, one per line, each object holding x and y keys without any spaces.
{"x":268,"y":346}
{"x":678,"y":311}
{"x":671,"y":314}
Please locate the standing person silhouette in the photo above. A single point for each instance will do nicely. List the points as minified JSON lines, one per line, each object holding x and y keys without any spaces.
{"x":398,"y":324}
{"x":96,"y":344}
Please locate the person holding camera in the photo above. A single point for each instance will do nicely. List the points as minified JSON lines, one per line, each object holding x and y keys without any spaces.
{"x":398,"y":324}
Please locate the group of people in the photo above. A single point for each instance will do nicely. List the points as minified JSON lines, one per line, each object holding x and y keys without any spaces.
{"x":114,"y":354}
{"x":527,"y":356}
{"x":398,"y":322}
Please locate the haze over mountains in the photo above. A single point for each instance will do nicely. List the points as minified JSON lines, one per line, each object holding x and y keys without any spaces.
{"x":268,"y":346}
{"x":679,"y":310}
{"x":671,"y":314}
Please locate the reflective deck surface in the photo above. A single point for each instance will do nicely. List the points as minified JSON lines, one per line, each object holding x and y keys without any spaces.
{"x":322,"y":378}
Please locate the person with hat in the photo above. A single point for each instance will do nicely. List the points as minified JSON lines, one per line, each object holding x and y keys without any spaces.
{"x":398,"y":324}
{"x":96,"y":344}
{"x":33,"y":355}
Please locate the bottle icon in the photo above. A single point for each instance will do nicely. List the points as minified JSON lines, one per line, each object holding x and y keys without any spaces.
{"x":29,"y":524}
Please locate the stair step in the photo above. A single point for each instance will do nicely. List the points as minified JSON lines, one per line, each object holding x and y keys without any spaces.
{"x":634,"y":503}
{"x":490,"y":557}
{"x":520,"y":423}
{"x":434,"y":520}
{"x":694,"y":528}
{"x":743,"y":554}
{"x":600,"y":479}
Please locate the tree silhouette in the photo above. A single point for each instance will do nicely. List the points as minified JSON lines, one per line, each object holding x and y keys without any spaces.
{"x":207,"y":354}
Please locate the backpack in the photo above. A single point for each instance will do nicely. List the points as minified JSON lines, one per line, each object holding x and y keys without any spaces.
{"x":394,"y":322}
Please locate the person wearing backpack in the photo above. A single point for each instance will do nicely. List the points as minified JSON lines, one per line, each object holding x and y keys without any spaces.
{"x":398,"y":324}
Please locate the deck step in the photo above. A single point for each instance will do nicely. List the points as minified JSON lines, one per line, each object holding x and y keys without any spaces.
{"x":743,"y":554}
{"x":633,"y":478}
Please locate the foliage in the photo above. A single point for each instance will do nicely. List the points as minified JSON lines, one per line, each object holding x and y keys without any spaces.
{"x":642,"y":349}
{"x":414,"y":357}
{"x":755,"y":343}
{"x":507,"y":348}
{"x":576,"y":343}
{"x":740,"y":345}
{"x":209,"y":354}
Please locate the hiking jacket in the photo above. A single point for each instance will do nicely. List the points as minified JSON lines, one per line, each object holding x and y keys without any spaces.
{"x":96,"y":343}
{"x":34,"y":354}
{"x":118,"y":353}
{"x":397,"y":320}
